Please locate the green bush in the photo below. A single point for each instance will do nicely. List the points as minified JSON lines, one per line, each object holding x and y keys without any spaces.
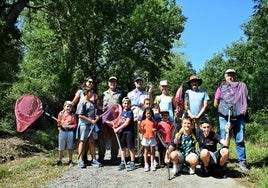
{"x":257,"y":130}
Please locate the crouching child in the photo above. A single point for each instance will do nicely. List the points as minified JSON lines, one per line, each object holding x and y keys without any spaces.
{"x":210,"y":157}
{"x":182,"y":148}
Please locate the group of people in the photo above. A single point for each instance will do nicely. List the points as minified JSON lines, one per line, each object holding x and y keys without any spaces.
{"x":150,"y":123}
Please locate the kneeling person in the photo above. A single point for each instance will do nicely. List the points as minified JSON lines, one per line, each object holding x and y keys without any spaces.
{"x":182,"y":148}
{"x":208,"y":139}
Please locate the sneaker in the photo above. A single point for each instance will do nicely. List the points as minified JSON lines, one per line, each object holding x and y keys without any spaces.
{"x":70,"y":163}
{"x":146,"y":167}
{"x":121,"y":166}
{"x":81,"y":164}
{"x":156,"y":165}
{"x":153,"y":168}
{"x":176,"y":168}
{"x":132,"y":165}
{"x":87,"y":162}
{"x":59,"y":163}
{"x":191,"y":170}
{"x":96,"y":163}
{"x":243,"y":167}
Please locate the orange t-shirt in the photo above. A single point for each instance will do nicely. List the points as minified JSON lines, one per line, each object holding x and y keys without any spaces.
{"x":147,"y":128}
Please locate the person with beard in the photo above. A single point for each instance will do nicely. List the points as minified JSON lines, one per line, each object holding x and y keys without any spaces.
{"x":195,"y":99}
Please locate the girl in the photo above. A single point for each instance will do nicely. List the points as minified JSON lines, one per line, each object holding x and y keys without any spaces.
{"x":148,"y":129}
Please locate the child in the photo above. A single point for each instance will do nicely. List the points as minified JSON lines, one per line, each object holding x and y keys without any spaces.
{"x":184,"y":142}
{"x":126,"y":134}
{"x":148,"y":129}
{"x":208,"y":139}
{"x":140,"y":150}
{"x":87,"y":121}
{"x":165,"y":128}
{"x":66,"y":126}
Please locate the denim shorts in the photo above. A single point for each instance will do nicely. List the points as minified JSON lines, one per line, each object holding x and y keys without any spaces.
{"x":66,"y":140}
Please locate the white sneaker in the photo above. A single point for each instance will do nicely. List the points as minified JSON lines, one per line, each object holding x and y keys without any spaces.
{"x":191,"y":170}
{"x":146,"y":167}
{"x":153,"y":168}
{"x":176,"y":168}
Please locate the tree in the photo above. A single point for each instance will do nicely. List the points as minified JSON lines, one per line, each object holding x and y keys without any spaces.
{"x":65,"y":41}
{"x":248,"y":57}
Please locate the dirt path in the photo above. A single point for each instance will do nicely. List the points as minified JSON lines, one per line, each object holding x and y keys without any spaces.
{"x":108,"y":176}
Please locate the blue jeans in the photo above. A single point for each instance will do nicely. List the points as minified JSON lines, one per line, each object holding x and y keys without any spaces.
{"x":238,"y":127}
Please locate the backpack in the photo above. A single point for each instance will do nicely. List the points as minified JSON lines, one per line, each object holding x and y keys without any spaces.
{"x":228,"y":100}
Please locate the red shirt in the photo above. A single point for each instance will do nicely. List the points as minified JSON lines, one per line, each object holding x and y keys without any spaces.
{"x":165,"y":129}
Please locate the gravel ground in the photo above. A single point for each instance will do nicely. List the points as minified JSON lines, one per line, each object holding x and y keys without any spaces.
{"x":109,"y":176}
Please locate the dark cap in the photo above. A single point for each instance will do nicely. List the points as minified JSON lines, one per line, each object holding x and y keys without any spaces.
{"x":138,"y":78}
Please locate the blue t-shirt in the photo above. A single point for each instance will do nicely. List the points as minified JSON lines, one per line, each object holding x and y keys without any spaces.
{"x":195,"y":99}
{"x":87,"y":109}
{"x":124,"y":115}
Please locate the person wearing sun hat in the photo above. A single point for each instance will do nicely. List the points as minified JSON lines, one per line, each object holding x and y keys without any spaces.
{"x":195,"y":99}
{"x":231,"y":99}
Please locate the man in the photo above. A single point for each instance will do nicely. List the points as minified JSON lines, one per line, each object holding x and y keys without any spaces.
{"x":231,"y":99}
{"x":195,"y":100}
{"x":108,"y":98}
{"x":137,"y":97}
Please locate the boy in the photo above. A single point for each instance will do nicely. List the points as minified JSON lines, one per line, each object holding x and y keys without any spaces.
{"x":184,"y":142}
{"x":126,"y":134}
{"x":86,"y":123}
{"x":208,"y":139}
{"x":165,"y":128}
{"x":66,"y":126}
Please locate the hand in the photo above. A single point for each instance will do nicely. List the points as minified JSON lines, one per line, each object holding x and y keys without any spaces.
{"x":227,"y":127}
{"x":167,"y":157}
{"x":117,"y":130}
{"x":65,"y":125}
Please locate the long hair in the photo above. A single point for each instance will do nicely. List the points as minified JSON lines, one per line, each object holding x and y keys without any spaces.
{"x":146,"y":110}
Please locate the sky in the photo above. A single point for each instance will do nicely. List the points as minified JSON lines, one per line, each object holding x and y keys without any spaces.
{"x":211,"y":26}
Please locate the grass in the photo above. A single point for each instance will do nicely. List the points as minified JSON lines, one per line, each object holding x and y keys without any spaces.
{"x":30,"y":172}
{"x":257,"y":155}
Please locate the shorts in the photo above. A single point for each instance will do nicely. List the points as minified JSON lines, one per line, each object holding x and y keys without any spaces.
{"x":214,"y":157}
{"x":83,"y":131}
{"x":127,"y":140}
{"x":186,"y":158}
{"x":66,"y":140}
{"x":180,"y":156}
{"x":148,"y":142}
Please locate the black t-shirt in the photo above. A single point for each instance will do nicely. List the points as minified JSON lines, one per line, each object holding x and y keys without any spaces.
{"x":209,"y":142}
